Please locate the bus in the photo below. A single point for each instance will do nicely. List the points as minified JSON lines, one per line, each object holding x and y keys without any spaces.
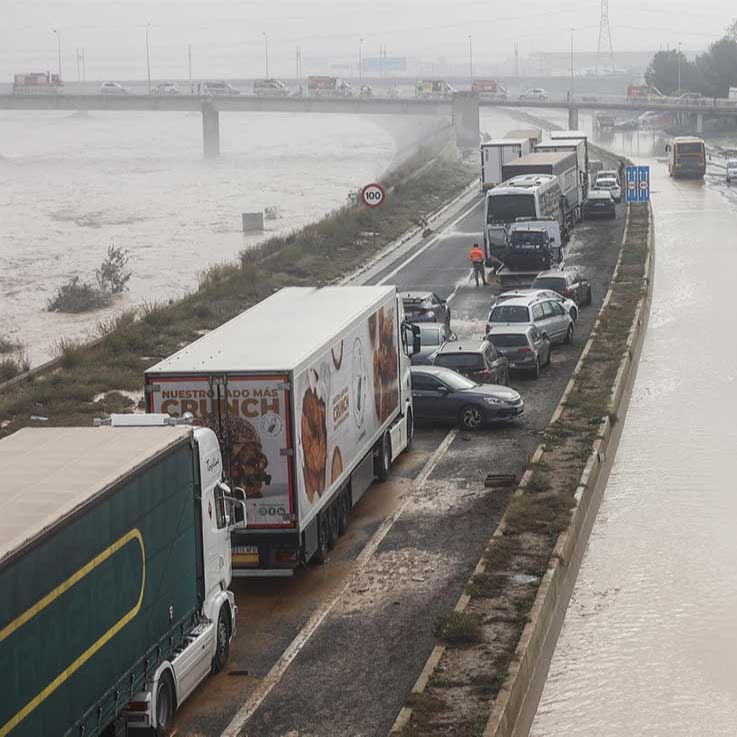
{"x":529,"y":197}
{"x":686,"y":157}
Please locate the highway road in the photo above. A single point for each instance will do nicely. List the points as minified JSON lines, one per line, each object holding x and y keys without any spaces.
{"x":335,"y":649}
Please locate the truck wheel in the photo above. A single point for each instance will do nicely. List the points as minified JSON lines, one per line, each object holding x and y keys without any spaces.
{"x":383,"y":462}
{"x":321,"y":554}
{"x":222,"y":646}
{"x":164,"y":705}
{"x":333,"y":523}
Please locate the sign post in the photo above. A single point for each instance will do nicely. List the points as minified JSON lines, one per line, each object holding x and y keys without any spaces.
{"x":638,"y":183}
{"x":373,"y":195}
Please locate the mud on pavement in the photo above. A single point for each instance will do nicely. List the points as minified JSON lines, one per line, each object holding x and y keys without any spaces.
{"x":358,"y":630}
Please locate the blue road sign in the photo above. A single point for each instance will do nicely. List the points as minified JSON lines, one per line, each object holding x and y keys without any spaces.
{"x":637,"y":181}
{"x":631,"y":183}
{"x":643,"y":183}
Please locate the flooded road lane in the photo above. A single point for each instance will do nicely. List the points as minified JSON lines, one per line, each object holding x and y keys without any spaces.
{"x":649,"y":645}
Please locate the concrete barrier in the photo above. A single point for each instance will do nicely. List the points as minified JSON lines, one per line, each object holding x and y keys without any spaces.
{"x":516,"y":703}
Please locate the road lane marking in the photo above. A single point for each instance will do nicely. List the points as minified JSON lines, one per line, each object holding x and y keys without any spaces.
{"x":431,"y":242}
{"x":277,"y":671}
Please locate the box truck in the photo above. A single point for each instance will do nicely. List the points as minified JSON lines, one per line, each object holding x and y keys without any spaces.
{"x":496,"y":153}
{"x":328,"y":87}
{"x":564,"y":165}
{"x":114,"y":575}
{"x":570,"y":135}
{"x":309,"y":392}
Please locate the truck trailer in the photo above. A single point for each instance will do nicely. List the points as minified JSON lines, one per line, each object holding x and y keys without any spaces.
{"x":563,"y":165}
{"x":309,"y":392}
{"x":496,"y":153}
{"x":579,"y":148}
{"x":114,"y":575}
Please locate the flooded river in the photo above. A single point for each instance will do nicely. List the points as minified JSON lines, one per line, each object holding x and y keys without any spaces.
{"x":73,"y":184}
{"x":649,"y":645}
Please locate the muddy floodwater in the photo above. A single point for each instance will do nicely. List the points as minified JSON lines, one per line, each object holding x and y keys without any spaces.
{"x":72,"y":184}
{"x":649,"y":645}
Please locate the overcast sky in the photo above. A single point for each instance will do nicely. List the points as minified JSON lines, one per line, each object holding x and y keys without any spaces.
{"x":226,"y":35}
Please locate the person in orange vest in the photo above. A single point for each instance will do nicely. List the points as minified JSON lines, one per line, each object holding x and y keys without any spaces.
{"x":477,"y":259}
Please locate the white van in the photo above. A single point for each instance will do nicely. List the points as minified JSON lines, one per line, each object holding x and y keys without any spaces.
{"x":270,"y":88}
{"x":731,"y":170}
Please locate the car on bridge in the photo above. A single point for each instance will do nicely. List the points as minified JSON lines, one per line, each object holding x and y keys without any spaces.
{"x":166,"y":88}
{"x":219,"y":88}
{"x":270,"y":88}
{"x":731,"y":170}
{"x":113,"y":88}
{"x":535,"y":93}
{"x":439,"y":394}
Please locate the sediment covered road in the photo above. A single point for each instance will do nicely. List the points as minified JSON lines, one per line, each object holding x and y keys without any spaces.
{"x":335,"y":649}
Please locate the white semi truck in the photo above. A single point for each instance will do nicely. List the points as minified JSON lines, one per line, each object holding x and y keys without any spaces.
{"x":310,"y":394}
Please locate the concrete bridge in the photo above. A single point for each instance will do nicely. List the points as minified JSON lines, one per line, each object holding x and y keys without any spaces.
{"x":462,"y":108}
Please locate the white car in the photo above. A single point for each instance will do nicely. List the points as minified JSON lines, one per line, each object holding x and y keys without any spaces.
{"x":536,"y":93}
{"x":219,"y":88}
{"x":113,"y":88}
{"x":731,"y":170}
{"x":270,"y":88}
{"x":611,"y":185}
{"x":569,"y":304}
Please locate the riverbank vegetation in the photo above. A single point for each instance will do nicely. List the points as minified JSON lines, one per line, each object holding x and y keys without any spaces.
{"x":13,"y":359}
{"x":112,"y":366}
{"x":111,"y":278}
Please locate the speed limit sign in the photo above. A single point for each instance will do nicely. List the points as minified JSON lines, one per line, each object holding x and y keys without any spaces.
{"x":373,"y":195}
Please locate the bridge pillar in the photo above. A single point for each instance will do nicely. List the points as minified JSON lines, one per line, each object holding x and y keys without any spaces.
{"x":572,"y":118}
{"x":210,"y":130}
{"x":466,"y":119}
{"x":699,"y":122}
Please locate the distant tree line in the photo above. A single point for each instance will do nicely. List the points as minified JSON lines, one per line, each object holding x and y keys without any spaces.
{"x":711,"y":73}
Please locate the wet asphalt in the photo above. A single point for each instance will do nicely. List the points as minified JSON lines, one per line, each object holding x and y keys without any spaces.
{"x":351,"y":677}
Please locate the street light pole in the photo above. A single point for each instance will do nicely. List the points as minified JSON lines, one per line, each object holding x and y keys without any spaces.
{"x":572,"y":63}
{"x":148,"y":59}
{"x":266,"y":52}
{"x":360,"y":62}
{"x":470,"y":57}
{"x":58,"y":50}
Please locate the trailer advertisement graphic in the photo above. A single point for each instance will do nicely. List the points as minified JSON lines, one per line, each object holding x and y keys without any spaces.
{"x":342,"y":400}
{"x":250,"y":415}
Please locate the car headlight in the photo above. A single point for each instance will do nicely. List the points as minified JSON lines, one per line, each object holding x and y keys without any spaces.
{"x":493,"y":401}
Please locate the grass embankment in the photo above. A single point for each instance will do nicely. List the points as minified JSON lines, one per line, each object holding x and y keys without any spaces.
{"x":480,"y":641}
{"x":13,"y":359}
{"x":90,"y":379}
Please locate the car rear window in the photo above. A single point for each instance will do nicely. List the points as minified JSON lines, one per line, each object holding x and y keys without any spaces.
{"x":467,"y":361}
{"x":510,"y":313}
{"x":508,"y":341}
{"x":549,"y":282}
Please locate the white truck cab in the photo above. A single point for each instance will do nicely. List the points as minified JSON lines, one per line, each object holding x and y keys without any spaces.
{"x":208,"y":644}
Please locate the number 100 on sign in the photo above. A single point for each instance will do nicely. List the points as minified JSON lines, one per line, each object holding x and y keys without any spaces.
{"x":373,"y":195}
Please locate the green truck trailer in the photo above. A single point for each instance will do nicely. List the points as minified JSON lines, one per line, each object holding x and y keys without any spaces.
{"x":114,"y":575}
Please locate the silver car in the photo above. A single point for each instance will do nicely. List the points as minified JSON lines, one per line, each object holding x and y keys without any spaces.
{"x":546,"y":314}
{"x":524,"y":347}
{"x":609,"y":184}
